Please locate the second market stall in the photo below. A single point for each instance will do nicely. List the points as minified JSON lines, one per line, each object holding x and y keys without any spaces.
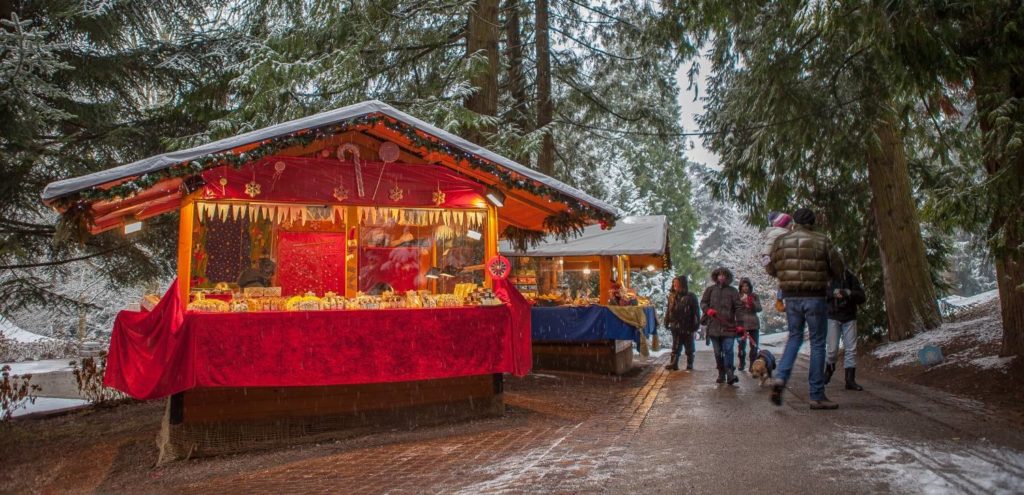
{"x":586,"y":315}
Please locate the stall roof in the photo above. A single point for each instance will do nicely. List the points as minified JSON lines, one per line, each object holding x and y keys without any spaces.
{"x":66,"y":187}
{"x":643,"y":235}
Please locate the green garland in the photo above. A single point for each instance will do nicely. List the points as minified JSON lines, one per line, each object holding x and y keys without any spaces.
{"x":522,"y":239}
{"x":562,"y":224}
{"x":565,"y":224}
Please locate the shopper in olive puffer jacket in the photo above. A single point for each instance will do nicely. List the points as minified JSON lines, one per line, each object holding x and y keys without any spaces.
{"x":805,"y":262}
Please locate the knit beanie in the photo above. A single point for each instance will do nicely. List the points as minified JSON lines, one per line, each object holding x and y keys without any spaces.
{"x":782,"y":220}
{"x":772,"y":216}
{"x":803,"y":216}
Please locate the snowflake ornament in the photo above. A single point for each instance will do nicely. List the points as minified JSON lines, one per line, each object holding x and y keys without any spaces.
{"x":252,"y":189}
{"x":438,"y":197}
{"x":340,"y":193}
{"x":396,"y":194}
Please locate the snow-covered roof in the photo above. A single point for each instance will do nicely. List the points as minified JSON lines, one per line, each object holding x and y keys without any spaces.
{"x":643,"y":235}
{"x":159,"y":162}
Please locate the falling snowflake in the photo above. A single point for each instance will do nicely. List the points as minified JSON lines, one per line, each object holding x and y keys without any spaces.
{"x":396,"y":194}
{"x":252,"y":189}
{"x":438,"y":197}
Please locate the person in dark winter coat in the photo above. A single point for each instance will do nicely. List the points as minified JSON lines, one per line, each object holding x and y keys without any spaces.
{"x":683,"y":319}
{"x":804,"y":262}
{"x":746,"y":317}
{"x":844,"y":296}
{"x":719,"y":305}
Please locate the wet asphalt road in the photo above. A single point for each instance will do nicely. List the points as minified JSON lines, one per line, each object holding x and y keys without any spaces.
{"x":701,"y":437}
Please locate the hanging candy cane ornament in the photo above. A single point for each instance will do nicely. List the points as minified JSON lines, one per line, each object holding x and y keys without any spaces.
{"x":351,"y":148}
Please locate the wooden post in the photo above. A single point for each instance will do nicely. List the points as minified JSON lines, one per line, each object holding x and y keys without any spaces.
{"x":624,"y":274}
{"x":490,"y":242}
{"x":351,"y":251}
{"x":605,"y":284}
{"x":186,"y":217}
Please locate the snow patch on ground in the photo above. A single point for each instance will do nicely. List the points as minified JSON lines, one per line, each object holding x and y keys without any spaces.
{"x":11,"y":331}
{"x":992,"y":362}
{"x":932,"y":467}
{"x":48,"y":405}
{"x":37,"y":367}
{"x":984,"y":330}
{"x":982,"y":298}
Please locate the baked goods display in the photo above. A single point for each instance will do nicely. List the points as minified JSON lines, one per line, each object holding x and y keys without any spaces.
{"x":467,"y":294}
{"x":204,"y":305}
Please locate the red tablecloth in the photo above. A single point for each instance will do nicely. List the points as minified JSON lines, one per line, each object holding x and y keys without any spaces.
{"x":163,"y":352}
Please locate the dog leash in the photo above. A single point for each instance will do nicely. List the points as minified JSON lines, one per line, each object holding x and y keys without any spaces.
{"x":740,"y":331}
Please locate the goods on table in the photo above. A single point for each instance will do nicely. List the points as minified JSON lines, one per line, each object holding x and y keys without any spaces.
{"x":548,"y":300}
{"x":307,"y":302}
{"x":465,"y":295}
{"x":483,"y":297}
{"x":204,"y":305}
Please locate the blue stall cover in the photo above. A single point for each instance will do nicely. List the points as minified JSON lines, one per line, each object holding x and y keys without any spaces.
{"x":585,"y":324}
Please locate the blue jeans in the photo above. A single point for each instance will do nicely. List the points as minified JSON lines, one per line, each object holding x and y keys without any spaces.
{"x":723,"y":352}
{"x":814,"y":312}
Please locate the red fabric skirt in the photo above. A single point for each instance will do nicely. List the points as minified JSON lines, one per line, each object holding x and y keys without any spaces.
{"x":163,"y":352}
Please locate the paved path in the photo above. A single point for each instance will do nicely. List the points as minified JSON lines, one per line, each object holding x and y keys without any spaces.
{"x":651,"y":431}
{"x":661,"y":432}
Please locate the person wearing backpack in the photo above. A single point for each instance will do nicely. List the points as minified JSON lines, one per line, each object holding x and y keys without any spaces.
{"x":683,"y":319}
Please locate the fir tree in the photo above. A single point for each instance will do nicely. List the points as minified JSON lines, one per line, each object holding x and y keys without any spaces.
{"x":84,"y":88}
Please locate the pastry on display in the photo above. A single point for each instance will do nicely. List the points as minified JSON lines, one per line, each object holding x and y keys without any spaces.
{"x":204,"y":305}
{"x":307,"y":302}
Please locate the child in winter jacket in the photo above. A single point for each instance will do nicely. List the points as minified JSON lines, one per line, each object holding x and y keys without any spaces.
{"x":778,"y":224}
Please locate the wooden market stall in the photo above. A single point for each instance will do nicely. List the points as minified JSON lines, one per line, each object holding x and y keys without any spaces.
{"x":336,"y":271}
{"x":586,"y":315}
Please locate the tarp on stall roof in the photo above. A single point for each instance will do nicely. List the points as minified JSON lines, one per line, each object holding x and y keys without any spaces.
{"x":154,"y":163}
{"x":631,"y":236}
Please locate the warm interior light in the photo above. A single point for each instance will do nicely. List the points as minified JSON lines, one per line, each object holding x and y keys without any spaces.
{"x":651,"y":268}
{"x":586,"y":271}
{"x":132,"y":226}
{"x":496,"y":197}
{"x":472,"y":234}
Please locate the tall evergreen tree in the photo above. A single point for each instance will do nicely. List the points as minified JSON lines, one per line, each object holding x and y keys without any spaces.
{"x":807,"y":106}
{"x":87,"y":87}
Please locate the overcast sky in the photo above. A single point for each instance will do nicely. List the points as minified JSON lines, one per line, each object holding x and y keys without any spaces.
{"x":690,"y":110}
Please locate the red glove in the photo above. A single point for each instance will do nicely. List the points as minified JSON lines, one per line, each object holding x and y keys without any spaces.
{"x":712,"y":313}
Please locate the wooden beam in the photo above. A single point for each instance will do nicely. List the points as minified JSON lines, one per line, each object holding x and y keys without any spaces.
{"x":605,"y":284}
{"x":187,"y":215}
{"x":490,"y":242}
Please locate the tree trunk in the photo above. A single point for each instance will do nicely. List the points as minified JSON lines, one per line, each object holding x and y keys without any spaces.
{"x":1006,"y":230}
{"x":1010,"y":279}
{"x":909,"y":292}
{"x":482,"y":35}
{"x":545,"y":110}
{"x":516,"y":77}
